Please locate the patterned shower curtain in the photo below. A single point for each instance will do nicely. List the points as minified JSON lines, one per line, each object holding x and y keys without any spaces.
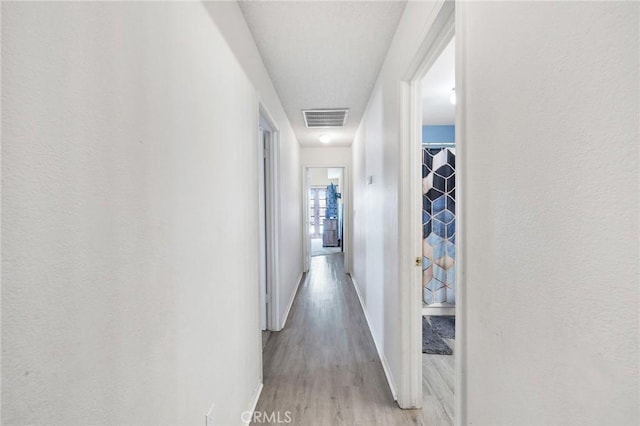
{"x":439,"y":225}
{"x":332,"y":202}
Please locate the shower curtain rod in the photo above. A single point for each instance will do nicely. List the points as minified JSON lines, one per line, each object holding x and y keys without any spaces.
{"x":439,"y":144}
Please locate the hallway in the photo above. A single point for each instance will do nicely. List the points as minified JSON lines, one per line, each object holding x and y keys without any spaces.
{"x":157,"y":178}
{"x":323,"y":367}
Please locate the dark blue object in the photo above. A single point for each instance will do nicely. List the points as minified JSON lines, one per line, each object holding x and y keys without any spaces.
{"x":332,"y":202}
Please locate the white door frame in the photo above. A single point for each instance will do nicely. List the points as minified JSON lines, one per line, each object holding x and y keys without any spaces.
{"x":441,"y":29}
{"x":306,"y":241}
{"x":346,"y":214}
{"x":262,"y":234}
{"x":268,"y":160}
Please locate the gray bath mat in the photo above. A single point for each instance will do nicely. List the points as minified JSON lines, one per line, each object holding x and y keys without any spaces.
{"x":432,"y":343}
{"x":445,"y":326}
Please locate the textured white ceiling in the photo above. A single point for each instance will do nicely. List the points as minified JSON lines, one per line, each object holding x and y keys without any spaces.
{"x":323,"y":55}
{"x":437,"y":108}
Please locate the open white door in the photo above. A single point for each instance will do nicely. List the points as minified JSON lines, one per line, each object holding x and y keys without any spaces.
{"x":307,"y":223}
{"x":269,"y":216}
{"x":263,"y":235}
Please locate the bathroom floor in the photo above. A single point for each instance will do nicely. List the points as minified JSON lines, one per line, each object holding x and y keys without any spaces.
{"x":438,"y":385}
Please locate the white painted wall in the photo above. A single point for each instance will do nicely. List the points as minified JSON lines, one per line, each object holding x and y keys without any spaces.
{"x":129,"y":213}
{"x":325,"y":157}
{"x":234,"y":29}
{"x":551,"y":161}
{"x":375,"y":153}
{"x":319,"y":177}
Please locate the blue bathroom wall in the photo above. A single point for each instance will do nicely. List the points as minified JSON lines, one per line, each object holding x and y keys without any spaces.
{"x":438,"y":225}
{"x":439,"y":133}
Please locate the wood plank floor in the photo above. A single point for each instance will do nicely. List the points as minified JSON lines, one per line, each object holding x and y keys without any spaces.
{"x":324,"y":369}
{"x":438,"y":376}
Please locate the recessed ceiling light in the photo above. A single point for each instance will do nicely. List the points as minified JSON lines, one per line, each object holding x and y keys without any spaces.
{"x":324,"y":138}
{"x":452,"y":99}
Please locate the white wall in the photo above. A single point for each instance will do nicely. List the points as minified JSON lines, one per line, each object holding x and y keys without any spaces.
{"x":129,"y":213}
{"x":319,"y":177}
{"x":551,"y":160}
{"x":551,"y":205}
{"x":325,"y":157}
{"x":233,"y":27}
{"x":375,"y":222}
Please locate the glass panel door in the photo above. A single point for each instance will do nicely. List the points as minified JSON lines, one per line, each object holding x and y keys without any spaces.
{"x":317,"y":209}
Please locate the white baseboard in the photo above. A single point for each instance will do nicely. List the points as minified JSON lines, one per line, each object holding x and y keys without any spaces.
{"x":253,"y":403}
{"x":283,"y":320}
{"x":383,"y":359}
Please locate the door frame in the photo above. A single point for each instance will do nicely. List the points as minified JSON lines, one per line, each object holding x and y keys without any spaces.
{"x":441,"y":28}
{"x":270,"y":226}
{"x":346,"y":215}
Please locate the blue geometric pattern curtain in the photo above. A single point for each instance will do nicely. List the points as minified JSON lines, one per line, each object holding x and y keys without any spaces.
{"x":439,"y":225}
{"x":332,"y":202}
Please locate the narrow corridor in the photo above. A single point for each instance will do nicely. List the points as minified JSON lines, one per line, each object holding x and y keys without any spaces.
{"x":165,"y":163}
{"x":322,"y":367}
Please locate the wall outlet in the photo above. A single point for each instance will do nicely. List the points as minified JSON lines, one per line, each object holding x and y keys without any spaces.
{"x":208,"y":418}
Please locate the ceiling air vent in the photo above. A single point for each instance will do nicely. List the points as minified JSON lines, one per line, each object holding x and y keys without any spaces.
{"x":316,"y":118}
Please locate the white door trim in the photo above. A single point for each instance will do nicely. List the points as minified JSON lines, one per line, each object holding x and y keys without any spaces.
{"x":272,"y":210}
{"x":460,"y":406}
{"x":262,"y":260}
{"x":306,"y":241}
{"x":438,"y":33}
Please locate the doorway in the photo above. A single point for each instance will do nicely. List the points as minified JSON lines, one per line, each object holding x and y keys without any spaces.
{"x":325,"y":210}
{"x":438,"y":236}
{"x":268,"y":226}
{"x":428,"y":222}
{"x":325,"y":205}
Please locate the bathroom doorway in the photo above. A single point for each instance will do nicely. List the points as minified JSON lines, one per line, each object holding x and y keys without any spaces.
{"x":429,"y":226}
{"x":438,"y":232}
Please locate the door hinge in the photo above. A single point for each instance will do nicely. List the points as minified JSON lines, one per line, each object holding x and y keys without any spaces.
{"x":418,"y":261}
{"x":268,"y":298}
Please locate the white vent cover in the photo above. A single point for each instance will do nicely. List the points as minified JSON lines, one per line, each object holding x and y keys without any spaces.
{"x":325,"y":117}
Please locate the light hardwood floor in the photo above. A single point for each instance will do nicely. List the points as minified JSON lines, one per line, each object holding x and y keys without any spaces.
{"x":324,"y":369}
{"x":438,"y":378}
